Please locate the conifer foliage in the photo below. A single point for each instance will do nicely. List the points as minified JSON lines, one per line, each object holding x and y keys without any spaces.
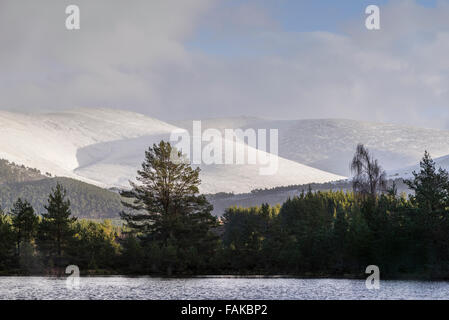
{"x":56,"y":229}
{"x":170,"y":230}
{"x":168,"y":214}
{"x":25,"y":223}
{"x":431,"y":186}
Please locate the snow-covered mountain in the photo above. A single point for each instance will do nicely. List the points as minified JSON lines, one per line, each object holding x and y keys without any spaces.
{"x":106,"y":147}
{"x":329,"y":144}
{"x":52,"y":142}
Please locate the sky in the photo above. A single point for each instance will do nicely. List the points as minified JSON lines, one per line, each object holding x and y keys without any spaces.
{"x":195,"y":59}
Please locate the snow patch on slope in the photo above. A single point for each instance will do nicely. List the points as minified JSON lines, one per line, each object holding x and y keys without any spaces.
{"x":407,"y":172}
{"x":106,"y":147}
{"x":215,"y":178}
{"x":329,"y":144}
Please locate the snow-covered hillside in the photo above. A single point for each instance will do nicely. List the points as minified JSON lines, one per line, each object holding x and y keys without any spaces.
{"x":51,"y":142}
{"x":329,"y":144}
{"x":106,"y":147}
{"x":407,"y":172}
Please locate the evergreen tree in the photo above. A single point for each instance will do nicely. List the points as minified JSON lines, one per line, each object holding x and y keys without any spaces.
{"x":167,"y":209}
{"x":431,"y":186}
{"x":340,"y":232}
{"x":56,"y":230}
{"x":25,"y":223}
{"x":95,"y":245}
{"x":7,"y":242}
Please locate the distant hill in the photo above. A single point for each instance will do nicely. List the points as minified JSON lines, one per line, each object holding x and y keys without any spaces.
{"x":105,"y":147}
{"x":407,"y":172}
{"x":87,"y":201}
{"x":11,"y":172}
{"x":279,"y":195}
{"x":329,"y":144}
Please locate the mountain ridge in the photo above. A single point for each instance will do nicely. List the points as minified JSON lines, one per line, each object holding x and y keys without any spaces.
{"x":105,"y":147}
{"x":87,"y":201}
{"x":328,"y":144}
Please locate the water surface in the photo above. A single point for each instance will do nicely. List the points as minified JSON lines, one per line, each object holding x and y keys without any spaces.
{"x":139,"y":288}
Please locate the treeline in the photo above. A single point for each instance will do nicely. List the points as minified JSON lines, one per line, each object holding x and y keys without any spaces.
{"x":340,"y":234}
{"x":88,"y":201}
{"x":169,"y":229}
{"x":337,"y":234}
{"x":47,"y":243}
{"x":11,"y":172}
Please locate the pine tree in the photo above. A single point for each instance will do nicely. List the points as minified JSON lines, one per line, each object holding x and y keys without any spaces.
{"x":25,"y":223}
{"x":56,"y":230}
{"x":431,"y":186}
{"x":7,"y":242}
{"x":166,"y":207}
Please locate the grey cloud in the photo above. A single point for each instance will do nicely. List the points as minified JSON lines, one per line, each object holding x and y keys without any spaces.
{"x":46,"y":66}
{"x":135,"y":57}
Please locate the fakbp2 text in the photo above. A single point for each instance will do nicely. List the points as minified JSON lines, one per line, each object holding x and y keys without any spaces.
{"x":230,"y":309}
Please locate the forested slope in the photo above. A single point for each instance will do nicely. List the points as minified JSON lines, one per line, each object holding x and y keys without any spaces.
{"x":87,"y":201}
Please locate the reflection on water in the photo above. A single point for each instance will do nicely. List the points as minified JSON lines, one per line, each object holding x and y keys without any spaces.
{"x":216,"y":288}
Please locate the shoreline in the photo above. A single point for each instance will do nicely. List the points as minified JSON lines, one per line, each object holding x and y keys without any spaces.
{"x":227,"y":276}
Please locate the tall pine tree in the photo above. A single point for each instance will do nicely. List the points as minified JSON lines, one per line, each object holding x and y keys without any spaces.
{"x":431,"y":186}
{"x":7,"y":242}
{"x":167,"y":211}
{"x":25,"y":223}
{"x":56,"y":230}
